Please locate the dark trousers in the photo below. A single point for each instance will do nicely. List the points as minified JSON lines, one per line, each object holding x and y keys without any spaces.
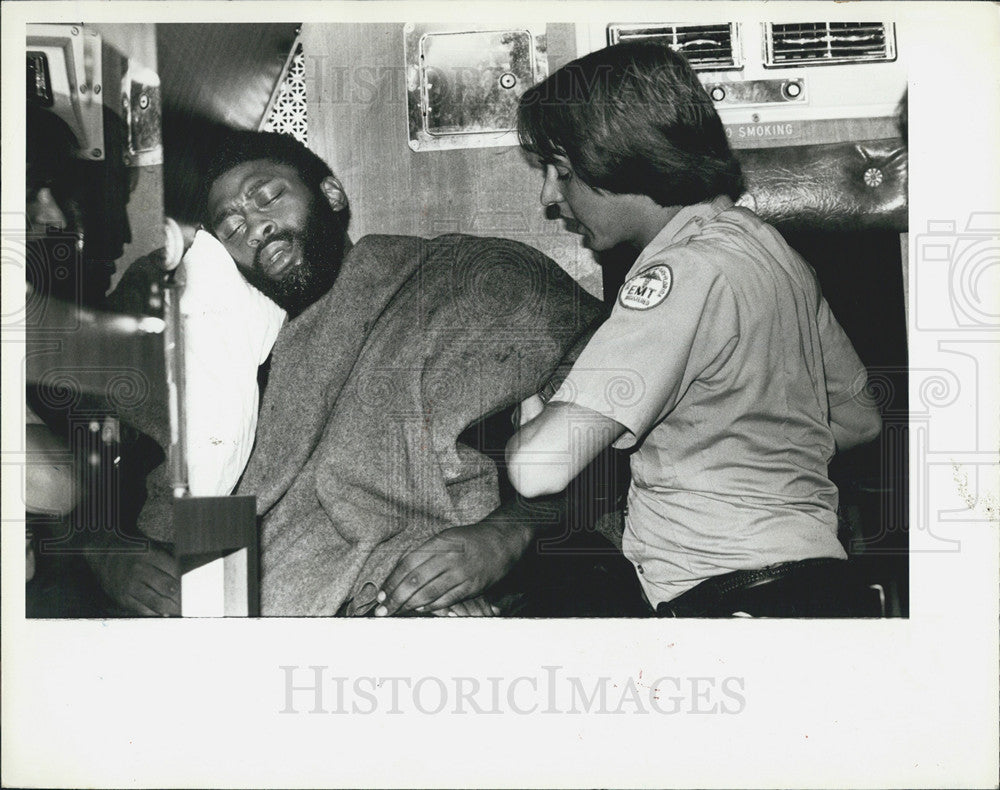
{"x":821,"y":587}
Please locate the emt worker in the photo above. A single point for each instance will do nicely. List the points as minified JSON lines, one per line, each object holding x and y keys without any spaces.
{"x":720,"y":366}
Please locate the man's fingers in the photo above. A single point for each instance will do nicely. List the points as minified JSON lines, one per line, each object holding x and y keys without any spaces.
{"x":426,"y":593}
{"x":424,"y":598}
{"x":480,"y":607}
{"x":451,"y":597}
{"x":163,"y":562}
{"x":156,"y":582}
{"x":410,"y":592}
{"x":469,"y":607}
{"x":139,"y":607}
{"x":402,"y":574}
{"x":160,"y":603}
{"x":414,"y":571}
{"x":147,"y":583}
{"x":155,"y":586}
{"x":162,"y":583}
{"x":147,"y":601}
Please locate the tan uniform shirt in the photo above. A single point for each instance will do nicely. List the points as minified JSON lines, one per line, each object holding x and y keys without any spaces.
{"x":722,"y":360}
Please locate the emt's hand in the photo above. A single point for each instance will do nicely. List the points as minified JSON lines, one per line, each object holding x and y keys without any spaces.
{"x":147,"y":583}
{"x":530,"y":408}
{"x":455,"y":565}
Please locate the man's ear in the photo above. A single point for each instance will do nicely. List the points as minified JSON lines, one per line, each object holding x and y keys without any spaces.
{"x":333,"y":190}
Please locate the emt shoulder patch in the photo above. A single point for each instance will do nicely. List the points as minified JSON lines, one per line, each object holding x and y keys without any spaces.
{"x":647,"y":289}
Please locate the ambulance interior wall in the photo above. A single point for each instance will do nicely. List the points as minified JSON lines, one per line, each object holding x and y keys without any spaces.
{"x":358,"y":123}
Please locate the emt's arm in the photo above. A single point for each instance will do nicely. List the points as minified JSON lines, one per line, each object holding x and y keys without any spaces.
{"x":554,"y":447}
{"x":854,"y":421}
{"x":854,"y":418}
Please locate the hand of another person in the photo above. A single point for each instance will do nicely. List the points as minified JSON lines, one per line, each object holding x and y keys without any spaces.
{"x":50,"y":484}
{"x":455,"y":565}
{"x":147,"y":583}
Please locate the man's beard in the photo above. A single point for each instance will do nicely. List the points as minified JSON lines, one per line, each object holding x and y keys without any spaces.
{"x":322,"y":245}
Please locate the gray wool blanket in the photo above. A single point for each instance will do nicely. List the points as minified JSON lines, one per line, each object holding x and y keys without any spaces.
{"x":357,"y":459}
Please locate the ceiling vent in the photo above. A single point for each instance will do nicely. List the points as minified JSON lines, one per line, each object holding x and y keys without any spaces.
{"x":820,"y":43}
{"x":705,"y":46}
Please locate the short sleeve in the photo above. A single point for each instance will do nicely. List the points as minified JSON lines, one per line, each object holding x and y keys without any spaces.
{"x":642,"y":359}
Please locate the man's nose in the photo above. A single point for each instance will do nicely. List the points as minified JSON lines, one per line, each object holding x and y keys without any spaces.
{"x":44,"y":211}
{"x":260,"y":229}
{"x":551,"y":194}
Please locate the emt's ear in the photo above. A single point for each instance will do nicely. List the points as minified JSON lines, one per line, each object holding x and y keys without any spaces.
{"x":333,"y":190}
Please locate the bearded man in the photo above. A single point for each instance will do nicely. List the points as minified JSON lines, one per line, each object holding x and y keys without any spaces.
{"x":372,"y":469}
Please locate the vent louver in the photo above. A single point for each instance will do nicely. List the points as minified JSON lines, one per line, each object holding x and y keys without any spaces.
{"x":818,"y":43}
{"x":705,"y":46}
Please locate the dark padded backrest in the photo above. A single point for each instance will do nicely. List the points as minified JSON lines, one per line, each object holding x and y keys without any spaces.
{"x":851,"y":186}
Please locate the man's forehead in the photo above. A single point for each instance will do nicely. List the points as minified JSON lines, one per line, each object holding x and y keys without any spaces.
{"x":229,"y":184}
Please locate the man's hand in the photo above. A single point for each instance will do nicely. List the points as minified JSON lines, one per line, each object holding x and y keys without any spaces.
{"x":455,"y":565}
{"x":473,"y":607}
{"x":147,"y":583}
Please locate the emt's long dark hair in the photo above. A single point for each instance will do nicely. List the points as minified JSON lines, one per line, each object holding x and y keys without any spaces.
{"x":632,"y":119}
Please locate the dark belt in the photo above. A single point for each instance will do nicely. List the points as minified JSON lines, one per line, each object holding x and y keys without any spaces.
{"x":821,"y":587}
